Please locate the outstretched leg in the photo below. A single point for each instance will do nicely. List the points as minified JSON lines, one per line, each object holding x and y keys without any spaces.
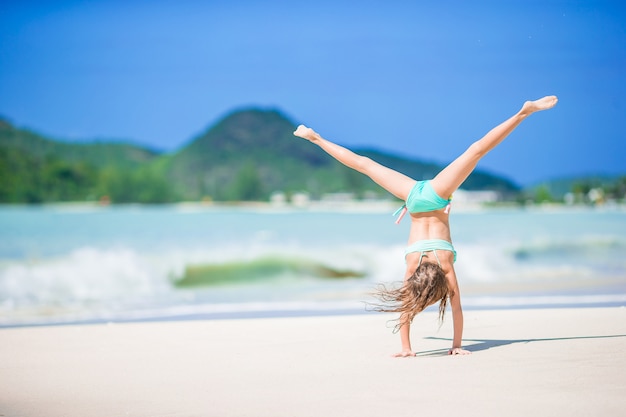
{"x":451,"y":177}
{"x":394,"y":182}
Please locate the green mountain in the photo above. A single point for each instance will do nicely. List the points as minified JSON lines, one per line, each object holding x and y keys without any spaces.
{"x":246,"y":156}
{"x":478,"y":180}
{"x":251,"y":153}
{"x":36,"y":169}
{"x":99,"y":154}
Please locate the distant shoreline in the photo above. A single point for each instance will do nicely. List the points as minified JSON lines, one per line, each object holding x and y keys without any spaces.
{"x":376,"y":206}
{"x":257,"y":310}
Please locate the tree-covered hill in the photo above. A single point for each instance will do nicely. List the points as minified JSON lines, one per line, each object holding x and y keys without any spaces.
{"x":36,"y":169}
{"x":478,"y":180}
{"x":252,"y":153}
{"x":246,"y":156}
{"x":99,"y":154}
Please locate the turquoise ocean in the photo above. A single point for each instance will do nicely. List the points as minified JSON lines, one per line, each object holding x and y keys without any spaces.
{"x":68,"y":264}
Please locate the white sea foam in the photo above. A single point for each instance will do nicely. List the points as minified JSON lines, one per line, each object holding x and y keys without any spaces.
{"x":85,"y":274}
{"x":89,"y":275}
{"x":124,"y":262}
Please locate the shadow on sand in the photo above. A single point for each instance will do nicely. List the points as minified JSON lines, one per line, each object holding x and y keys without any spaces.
{"x":484,"y":344}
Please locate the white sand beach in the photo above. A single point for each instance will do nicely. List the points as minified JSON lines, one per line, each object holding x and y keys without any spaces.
{"x":553,"y":362}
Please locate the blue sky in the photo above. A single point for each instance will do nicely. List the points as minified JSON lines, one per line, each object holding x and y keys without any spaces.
{"x":417,"y":78}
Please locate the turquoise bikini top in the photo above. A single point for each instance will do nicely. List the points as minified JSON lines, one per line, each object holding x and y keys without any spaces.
{"x":430,"y":245}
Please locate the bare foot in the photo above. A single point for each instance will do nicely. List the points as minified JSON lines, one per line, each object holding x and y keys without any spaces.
{"x":544,"y":103}
{"x":306,"y":133}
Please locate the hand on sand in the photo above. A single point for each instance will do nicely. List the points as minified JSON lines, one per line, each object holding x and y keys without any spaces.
{"x":459,"y":351}
{"x":404,"y":354}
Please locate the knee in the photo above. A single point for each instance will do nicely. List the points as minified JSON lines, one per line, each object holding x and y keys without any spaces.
{"x":363,"y":164}
{"x":477,"y":150}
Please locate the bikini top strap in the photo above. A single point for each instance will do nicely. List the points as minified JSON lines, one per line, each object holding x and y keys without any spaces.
{"x":420,"y":261}
{"x":401,"y":211}
{"x":422,"y":255}
{"x":437,"y":257}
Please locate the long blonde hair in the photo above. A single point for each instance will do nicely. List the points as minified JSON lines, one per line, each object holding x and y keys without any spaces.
{"x":427,"y":286}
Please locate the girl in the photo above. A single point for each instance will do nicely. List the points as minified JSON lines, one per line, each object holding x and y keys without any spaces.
{"x":430,"y":256}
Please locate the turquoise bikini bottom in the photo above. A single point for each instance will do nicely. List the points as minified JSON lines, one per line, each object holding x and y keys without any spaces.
{"x":422,"y":198}
{"x":430,"y":245}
